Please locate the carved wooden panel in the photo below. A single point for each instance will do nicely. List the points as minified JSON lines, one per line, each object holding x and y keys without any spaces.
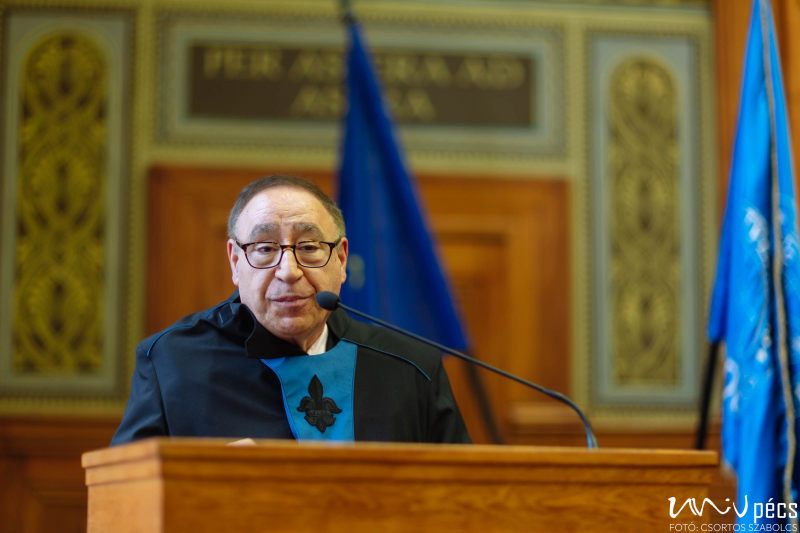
{"x":506,"y":246}
{"x":505,"y":243}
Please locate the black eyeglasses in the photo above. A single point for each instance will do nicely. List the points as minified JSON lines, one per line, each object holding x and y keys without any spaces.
{"x":308,"y":254}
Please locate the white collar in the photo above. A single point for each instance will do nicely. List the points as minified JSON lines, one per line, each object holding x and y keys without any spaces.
{"x":319,"y":345}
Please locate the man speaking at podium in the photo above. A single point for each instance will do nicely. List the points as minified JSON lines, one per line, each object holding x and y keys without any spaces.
{"x":269,"y":362}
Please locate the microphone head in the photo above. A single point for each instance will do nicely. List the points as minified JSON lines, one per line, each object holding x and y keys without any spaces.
{"x":328,"y":300}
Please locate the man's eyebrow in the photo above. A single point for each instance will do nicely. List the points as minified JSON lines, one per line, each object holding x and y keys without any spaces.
{"x":309,"y":227}
{"x":272,"y":230}
{"x":261,"y":229}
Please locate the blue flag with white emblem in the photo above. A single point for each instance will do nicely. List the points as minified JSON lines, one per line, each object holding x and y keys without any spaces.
{"x":393,"y":271}
{"x":755,"y":307}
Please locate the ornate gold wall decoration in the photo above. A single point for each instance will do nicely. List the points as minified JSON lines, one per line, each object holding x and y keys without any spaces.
{"x":645,"y":262}
{"x":59,"y":267}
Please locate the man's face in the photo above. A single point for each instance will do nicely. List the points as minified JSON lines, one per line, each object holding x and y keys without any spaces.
{"x":283,"y":298}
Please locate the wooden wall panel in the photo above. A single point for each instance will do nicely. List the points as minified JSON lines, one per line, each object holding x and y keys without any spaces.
{"x":42,"y":487}
{"x":504,"y":241}
{"x":53,"y":496}
{"x":505,"y":244}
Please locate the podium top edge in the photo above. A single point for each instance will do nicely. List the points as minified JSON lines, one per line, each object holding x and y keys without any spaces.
{"x":206,"y":448}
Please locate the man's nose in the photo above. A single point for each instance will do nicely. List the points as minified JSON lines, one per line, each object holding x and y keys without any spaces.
{"x":288,"y":270}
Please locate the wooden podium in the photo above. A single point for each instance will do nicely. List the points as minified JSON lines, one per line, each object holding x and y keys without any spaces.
{"x":201,"y":485}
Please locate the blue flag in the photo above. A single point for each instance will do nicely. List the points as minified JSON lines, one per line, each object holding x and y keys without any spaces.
{"x":755,"y":307}
{"x":393,"y":269}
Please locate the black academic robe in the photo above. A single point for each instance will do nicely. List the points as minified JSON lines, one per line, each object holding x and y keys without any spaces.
{"x":205,"y":377}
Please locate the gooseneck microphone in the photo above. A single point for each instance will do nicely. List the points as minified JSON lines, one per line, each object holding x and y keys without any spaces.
{"x":330,"y":301}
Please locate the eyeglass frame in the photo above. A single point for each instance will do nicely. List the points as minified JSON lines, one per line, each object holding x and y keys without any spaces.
{"x":293,"y":247}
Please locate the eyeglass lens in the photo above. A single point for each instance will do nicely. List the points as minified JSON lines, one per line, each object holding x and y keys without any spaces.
{"x":308,"y":254}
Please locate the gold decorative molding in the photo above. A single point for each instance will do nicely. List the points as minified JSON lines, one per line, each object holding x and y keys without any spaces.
{"x":58,"y":289}
{"x":63,"y":317}
{"x":645,"y":265}
{"x":684,"y":51}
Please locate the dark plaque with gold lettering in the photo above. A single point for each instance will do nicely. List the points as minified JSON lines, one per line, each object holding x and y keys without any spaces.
{"x":249,"y":81}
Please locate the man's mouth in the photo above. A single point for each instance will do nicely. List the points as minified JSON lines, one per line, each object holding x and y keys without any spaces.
{"x":290,"y":300}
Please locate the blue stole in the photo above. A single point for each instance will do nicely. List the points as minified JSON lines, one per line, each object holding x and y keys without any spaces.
{"x":318,"y":392}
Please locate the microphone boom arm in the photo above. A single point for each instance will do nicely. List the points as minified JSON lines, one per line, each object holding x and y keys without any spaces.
{"x":591,"y":441}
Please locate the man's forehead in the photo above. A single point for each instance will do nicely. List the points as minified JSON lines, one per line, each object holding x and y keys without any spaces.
{"x":298,"y":228}
{"x":285,"y":209}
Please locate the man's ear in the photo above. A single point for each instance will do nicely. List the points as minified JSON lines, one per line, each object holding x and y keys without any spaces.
{"x":233,"y":258}
{"x":342,"y":255}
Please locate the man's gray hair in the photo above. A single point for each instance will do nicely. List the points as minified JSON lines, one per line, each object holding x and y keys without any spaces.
{"x":281,"y":180}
